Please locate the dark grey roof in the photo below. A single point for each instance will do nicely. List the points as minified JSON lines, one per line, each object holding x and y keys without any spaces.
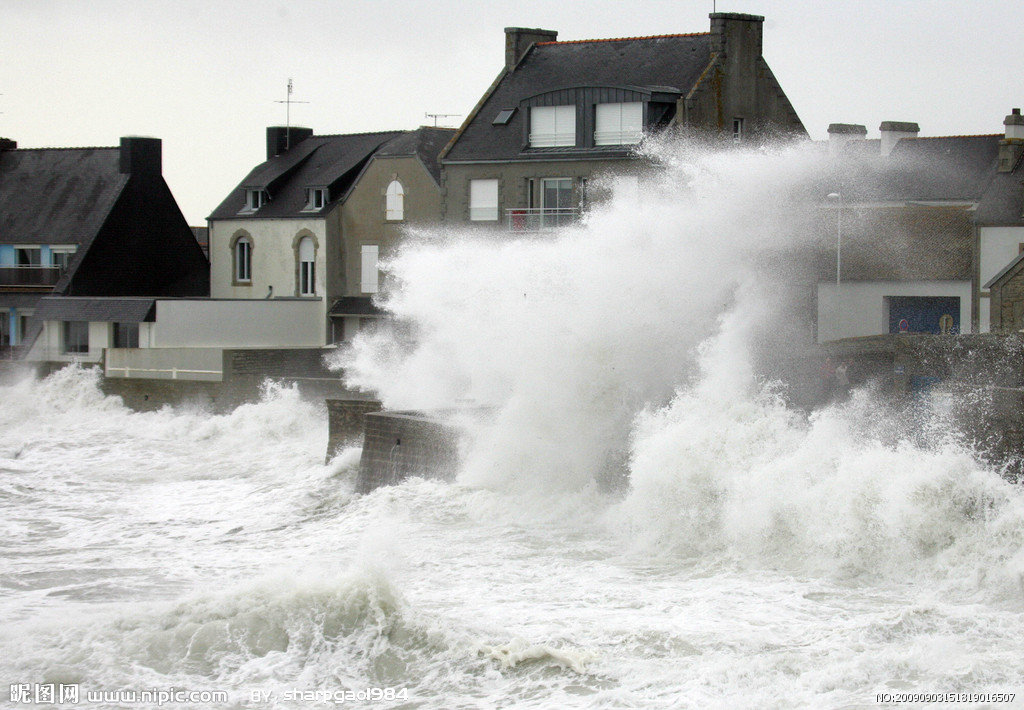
{"x":1002,"y":204}
{"x":425,"y":143}
{"x":330,"y":161}
{"x":355,"y":306}
{"x":670,"y":63}
{"x":120,"y":310}
{"x":954,"y":168}
{"x":57,"y":195}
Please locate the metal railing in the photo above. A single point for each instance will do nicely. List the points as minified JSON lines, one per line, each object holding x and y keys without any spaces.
{"x":540,"y":219}
{"x":35,"y":276}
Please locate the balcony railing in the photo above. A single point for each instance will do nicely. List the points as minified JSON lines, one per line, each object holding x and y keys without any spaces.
{"x":30,"y":276}
{"x":539,"y":219}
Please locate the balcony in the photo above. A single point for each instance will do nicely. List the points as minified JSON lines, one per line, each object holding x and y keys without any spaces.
{"x":30,"y":276}
{"x":539,"y":219}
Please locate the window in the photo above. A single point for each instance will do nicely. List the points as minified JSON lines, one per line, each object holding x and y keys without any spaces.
{"x":254,"y":199}
{"x":316,"y":198}
{"x":504,"y":116}
{"x":126,"y":335}
{"x":307,"y":267}
{"x":483,"y":200}
{"x":61,"y":257}
{"x":737,"y":129}
{"x":23,"y":321}
{"x":28,"y":256}
{"x":369,"y":268}
{"x":243,"y":260}
{"x":618,"y":124}
{"x":5,"y":329}
{"x":552,"y":126}
{"x":394,"y":202}
{"x":76,"y":336}
{"x":556,"y":202}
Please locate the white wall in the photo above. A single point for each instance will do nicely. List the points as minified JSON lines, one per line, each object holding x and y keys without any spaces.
{"x":199,"y":323}
{"x":997,"y":246}
{"x":862,"y":309}
{"x":49,"y":346}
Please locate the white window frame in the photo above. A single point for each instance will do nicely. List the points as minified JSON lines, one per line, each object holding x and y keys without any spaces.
{"x":242,"y":263}
{"x":35,"y":249}
{"x":369,"y":274}
{"x":254,"y":199}
{"x":307,"y":267}
{"x":316,"y":199}
{"x":65,"y":252}
{"x":394,"y":202}
{"x":553,"y":126}
{"x":483,"y":200}
{"x":737,"y":129}
{"x":126,"y":331}
{"x":618,"y":123}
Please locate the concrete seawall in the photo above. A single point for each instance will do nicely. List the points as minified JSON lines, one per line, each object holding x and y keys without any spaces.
{"x":399,"y":445}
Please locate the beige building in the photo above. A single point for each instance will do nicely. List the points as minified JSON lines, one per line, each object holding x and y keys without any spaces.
{"x":314,"y":220}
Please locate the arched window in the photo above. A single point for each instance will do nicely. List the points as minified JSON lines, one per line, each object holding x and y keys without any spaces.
{"x":394,"y":202}
{"x":243,"y":260}
{"x":307,"y":267}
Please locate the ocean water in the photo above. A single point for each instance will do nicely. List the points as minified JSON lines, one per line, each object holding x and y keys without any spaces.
{"x":756,"y":557}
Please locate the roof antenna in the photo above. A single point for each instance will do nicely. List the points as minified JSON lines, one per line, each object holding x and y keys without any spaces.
{"x":436,"y":116}
{"x":288,"y":114}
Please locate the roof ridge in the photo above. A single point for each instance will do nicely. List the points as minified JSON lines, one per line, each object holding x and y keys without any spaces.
{"x":363,"y":133}
{"x":623,"y":39}
{"x":70,"y":147}
{"x":959,"y":135}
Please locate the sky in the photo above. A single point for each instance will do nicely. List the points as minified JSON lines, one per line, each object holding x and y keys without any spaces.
{"x":207,"y":76}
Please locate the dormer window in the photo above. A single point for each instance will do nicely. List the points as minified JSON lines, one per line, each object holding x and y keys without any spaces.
{"x":316,"y":198}
{"x":552,"y":126}
{"x":618,"y":123}
{"x":254,"y":199}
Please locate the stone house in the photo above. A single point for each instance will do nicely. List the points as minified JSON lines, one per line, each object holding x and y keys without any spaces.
{"x":312,"y":221}
{"x":916,"y":228}
{"x":87,"y":224}
{"x":561,"y":114}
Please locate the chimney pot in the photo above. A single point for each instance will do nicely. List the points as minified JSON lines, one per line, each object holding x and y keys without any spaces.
{"x":893,"y":131}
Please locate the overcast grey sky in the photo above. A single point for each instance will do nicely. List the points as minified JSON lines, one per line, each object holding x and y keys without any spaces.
{"x":204,"y":75}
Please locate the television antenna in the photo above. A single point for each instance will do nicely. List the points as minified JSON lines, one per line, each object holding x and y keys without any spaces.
{"x":436,"y":116}
{"x":288,"y":114}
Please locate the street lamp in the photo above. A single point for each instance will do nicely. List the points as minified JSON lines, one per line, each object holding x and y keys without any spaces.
{"x":838,"y":196}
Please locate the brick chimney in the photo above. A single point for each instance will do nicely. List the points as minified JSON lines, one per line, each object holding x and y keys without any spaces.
{"x":518,"y":41}
{"x":839,"y":134}
{"x":893,"y":131}
{"x":1012,"y":145}
{"x":141,"y":156}
{"x":281,"y":138}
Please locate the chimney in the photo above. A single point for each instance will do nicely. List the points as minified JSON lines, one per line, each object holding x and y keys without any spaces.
{"x":281,"y":138}
{"x":893,"y":131}
{"x":1012,"y":145}
{"x":8,"y":144}
{"x":141,"y":156}
{"x":736,"y":36}
{"x":839,"y":134}
{"x":518,"y":41}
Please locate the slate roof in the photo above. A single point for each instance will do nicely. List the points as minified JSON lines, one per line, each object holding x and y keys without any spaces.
{"x":1002,"y":204}
{"x":667,"y":63}
{"x":318,"y":161}
{"x":57,"y":195}
{"x":119,"y":310}
{"x":425,"y":143}
{"x":951,"y":168}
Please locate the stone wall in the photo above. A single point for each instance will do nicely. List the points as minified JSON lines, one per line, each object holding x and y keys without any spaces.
{"x":399,"y":445}
{"x":346,"y":422}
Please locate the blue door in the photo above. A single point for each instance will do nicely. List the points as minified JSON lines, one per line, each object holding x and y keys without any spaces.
{"x":923,"y":314}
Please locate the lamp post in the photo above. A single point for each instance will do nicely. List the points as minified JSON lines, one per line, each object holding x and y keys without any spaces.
{"x":838,"y":196}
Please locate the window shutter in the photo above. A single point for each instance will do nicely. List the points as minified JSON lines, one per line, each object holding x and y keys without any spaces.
{"x":369,"y":268}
